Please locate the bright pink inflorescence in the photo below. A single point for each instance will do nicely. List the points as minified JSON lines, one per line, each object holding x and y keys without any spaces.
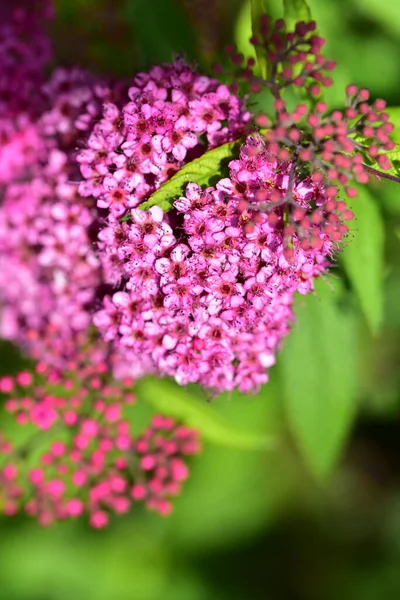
{"x":50,"y":273}
{"x":24,"y":51}
{"x":87,"y":459}
{"x":51,"y":276}
{"x":206,"y":290}
{"x":204,"y":294}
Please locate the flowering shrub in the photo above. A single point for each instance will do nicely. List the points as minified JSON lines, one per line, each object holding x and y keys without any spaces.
{"x":128,"y":247}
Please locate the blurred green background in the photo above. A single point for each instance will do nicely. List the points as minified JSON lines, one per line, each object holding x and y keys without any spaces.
{"x":253,"y":524}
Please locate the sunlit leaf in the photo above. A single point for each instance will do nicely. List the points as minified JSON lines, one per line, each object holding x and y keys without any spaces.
{"x":318,"y":372}
{"x":386,"y":14}
{"x":394,"y":114}
{"x":363,"y":257}
{"x":243,"y":33}
{"x":295,"y":11}
{"x":174,"y":401}
{"x":203,"y":170}
{"x":259,"y":8}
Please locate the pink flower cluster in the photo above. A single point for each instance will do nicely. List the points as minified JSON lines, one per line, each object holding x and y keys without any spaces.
{"x":337,"y":141}
{"x":205,"y":291}
{"x":92,"y":463}
{"x":24,"y":51}
{"x":49,"y":271}
{"x":333,"y":146}
{"x":51,"y":275}
{"x":173,"y":116}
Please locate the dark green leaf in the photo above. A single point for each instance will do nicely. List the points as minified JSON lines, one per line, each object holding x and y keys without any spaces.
{"x":203,"y":170}
{"x":295,"y":11}
{"x":363,"y":257}
{"x":319,"y":371}
{"x":172,"y":400}
{"x":160,"y":30}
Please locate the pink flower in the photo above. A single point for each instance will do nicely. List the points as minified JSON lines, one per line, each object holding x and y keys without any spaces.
{"x":75,"y":507}
{"x":99,"y":519}
{"x":172,"y":268}
{"x":43,"y":414}
{"x":181,"y":293}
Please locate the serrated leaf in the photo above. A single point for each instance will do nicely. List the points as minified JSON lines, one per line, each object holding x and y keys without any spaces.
{"x":363,"y":257}
{"x":319,"y":372}
{"x":295,"y":11}
{"x":258,"y":9}
{"x":392,"y":155}
{"x":174,"y":401}
{"x":202,"y":171}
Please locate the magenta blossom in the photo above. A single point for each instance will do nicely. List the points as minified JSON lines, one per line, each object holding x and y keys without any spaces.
{"x":211,"y":300}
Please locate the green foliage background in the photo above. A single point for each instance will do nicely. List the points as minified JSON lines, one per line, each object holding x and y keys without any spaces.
{"x":316,"y":517}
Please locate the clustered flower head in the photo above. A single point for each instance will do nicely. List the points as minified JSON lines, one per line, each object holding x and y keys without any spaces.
{"x":206,"y":290}
{"x":24,"y":51}
{"x":204,"y":294}
{"x":79,"y":455}
{"x":50,"y":274}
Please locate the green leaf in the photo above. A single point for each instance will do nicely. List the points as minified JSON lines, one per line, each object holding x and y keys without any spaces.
{"x":243,"y":33}
{"x":159,"y":30}
{"x":392,"y":155}
{"x":319,"y":371}
{"x":247,"y":489}
{"x":202,"y":170}
{"x":295,"y":11}
{"x":384,"y":14}
{"x":363,"y":257}
{"x":259,"y":8}
{"x":172,"y":400}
